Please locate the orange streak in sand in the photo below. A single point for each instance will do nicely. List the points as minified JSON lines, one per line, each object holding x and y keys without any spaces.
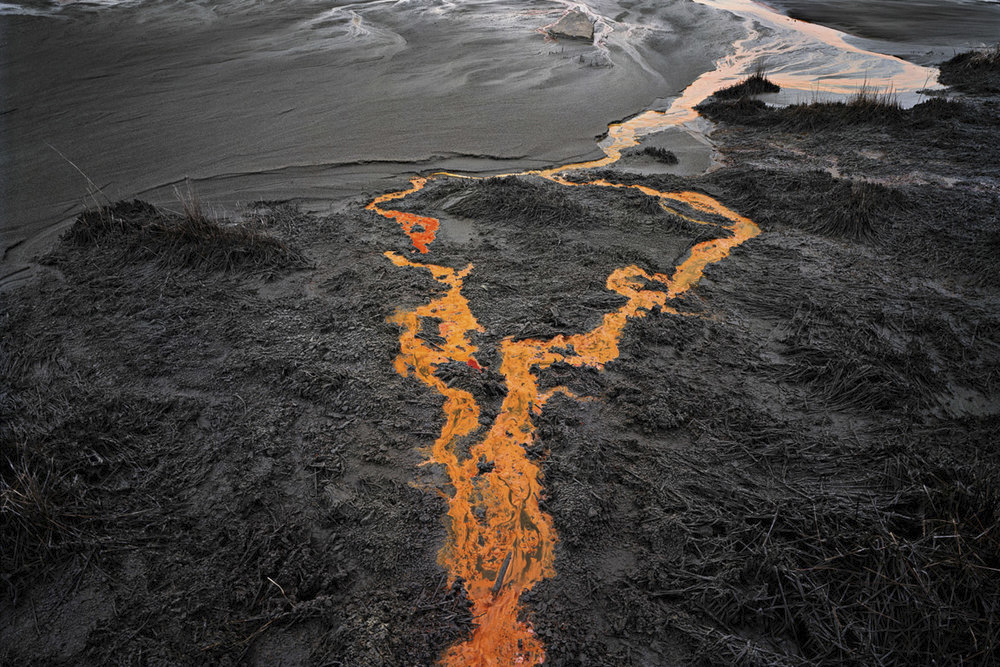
{"x":420,"y":229}
{"x":500,"y":542}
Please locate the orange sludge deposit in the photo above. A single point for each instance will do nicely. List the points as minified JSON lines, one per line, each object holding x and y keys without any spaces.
{"x":500,"y":543}
{"x":420,"y":229}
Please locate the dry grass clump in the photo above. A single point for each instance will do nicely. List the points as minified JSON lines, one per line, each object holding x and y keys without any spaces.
{"x":39,"y":513}
{"x":817,"y":202}
{"x":659,"y":154}
{"x":755,"y":84}
{"x":512,"y":199}
{"x":204,"y":243}
{"x":869,"y":106}
{"x":742,"y":110}
{"x":873,"y":97}
{"x":985,"y":59}
{"x":34,"y":516}
{"x":121,"y":219}
{"x":856,"y":211}
{"x":973,"y":71}
{"x":139,"y":231}
{"x":906,"y":579}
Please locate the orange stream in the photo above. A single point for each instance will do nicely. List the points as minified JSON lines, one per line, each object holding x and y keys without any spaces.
{"x":500,"y":542}
{"x":420,"y":229}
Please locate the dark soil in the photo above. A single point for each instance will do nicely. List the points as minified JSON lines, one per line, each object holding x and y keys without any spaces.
{"x":208,"y":458}
{"x":933,"y":116}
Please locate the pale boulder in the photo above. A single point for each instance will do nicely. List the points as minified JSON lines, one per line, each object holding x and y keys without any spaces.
{"x":574,"y":24}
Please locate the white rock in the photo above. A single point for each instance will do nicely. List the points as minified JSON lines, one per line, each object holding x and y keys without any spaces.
{"x":574,"y":24}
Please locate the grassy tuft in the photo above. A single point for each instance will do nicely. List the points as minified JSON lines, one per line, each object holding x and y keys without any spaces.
{"x":816,"y":202}
{"x":875,"y":102}
{"x":659,"y":154}
{"x":856,"y":211}
{"x":30,"y":518}
{"x":869,"y":106}
{"x":742,"y":110}
{"x":755,"y":84}
{"x":190,"y":204}
{"x":513,"y":199}
{"x":869,"y":96}
{"x":973,"y":71}
{"x":139,"y":231}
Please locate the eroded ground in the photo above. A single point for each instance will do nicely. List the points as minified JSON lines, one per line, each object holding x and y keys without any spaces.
{"x":210,"y":457}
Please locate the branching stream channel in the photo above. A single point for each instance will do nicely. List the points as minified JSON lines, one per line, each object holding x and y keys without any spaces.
{"x":500,"y":543}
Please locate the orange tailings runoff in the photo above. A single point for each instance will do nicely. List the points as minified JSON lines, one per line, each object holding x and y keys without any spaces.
{"x":500,"y":543}
{"x":420,"y":229}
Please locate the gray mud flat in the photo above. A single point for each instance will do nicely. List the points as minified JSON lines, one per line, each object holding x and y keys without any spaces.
{"x":208,"y":457}
{"x":310,"y":100}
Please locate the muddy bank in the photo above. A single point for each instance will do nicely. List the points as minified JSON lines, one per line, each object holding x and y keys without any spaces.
{"x":310,"y":100}
{"x":316,"y":101}
{"x":208,"y":455}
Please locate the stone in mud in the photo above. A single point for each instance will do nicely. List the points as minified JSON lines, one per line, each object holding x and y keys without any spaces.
{"x":574,"y":25}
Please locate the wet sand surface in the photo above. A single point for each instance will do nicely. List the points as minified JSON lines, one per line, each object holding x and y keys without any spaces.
{"x":311,"y":102}
{"x":315,"y":102}
{"x":925,"y":30}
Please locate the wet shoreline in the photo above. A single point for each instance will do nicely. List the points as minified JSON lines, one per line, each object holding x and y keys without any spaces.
{"x":927,"y":29}
{"x":225,"y":99}
{"x":320,"y":170}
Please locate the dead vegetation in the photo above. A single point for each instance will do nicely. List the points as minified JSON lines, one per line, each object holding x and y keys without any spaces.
{"x":837,"y":575}
{"x":223,"y":470}
{"x":37,"y":515}
{"x":812,"y":201}
{"x":545,"y":212}
{"x":661,"y":155}
{"x":755,"y":84}
{"x":836,"y":207}
{"x":855,"y":211}
{"x":821,"y":515}
{"x":838,"y":507}
{"x":913,"y":223}
{"x":973,"y":71}
{"x":868,"y":107}
{"x":864,"y":109}
{"x":516,"y":200}
{"x":40,"y":513}
{"x":187,"y":472}
{"x":140,"y":232}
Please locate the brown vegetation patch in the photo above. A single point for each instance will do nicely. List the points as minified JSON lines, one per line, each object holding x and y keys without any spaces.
{"x":973,"y":71}
{"x":755,"y":84}
{"x":140,"y":232}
